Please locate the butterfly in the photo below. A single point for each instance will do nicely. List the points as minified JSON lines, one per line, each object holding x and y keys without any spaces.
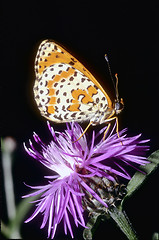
{"x":66,"y":91}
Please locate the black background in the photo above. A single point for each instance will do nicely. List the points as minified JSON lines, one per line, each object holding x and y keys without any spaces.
{"x":129,"y":34}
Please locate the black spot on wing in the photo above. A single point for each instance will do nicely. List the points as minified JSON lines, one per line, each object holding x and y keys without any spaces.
{"x":73,"y":115}
{"x":71,"y":63}
{"x":66,"y":116}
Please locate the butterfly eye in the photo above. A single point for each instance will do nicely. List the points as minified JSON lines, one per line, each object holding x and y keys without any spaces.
{"x":119,"y":105}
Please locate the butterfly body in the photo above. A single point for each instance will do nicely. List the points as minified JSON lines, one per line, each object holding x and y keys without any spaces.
{"x":65,"y":90}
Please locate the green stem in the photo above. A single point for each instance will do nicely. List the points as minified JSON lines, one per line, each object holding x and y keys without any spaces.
{"x":8,"y":178}
{"x":123,"y":223}
{"x":8,"y":147}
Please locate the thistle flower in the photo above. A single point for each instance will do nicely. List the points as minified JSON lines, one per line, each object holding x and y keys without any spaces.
{"x":77,"y":170}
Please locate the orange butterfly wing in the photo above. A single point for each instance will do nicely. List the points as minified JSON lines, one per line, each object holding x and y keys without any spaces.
{"x":50,"y":53}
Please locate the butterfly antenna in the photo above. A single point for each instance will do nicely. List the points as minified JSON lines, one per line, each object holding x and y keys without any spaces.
{"x":110,"y":72}
{"x":116,"y":87}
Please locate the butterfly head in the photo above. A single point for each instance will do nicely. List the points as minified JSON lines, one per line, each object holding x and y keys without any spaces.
{"x":118,"y":106}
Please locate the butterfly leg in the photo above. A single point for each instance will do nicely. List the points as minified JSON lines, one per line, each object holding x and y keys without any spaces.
{"x":83,"y":132}
{"x":105,"y":132}
{"x":117,"y":127}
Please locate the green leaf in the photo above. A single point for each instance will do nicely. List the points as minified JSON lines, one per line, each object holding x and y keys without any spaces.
{"x":118,"y":216}
{"x":22,"y":209}
{"x":138,"y":178}
{"x":92,"y":225}
{"x":123,"y":223}
{"x":14,"y":225}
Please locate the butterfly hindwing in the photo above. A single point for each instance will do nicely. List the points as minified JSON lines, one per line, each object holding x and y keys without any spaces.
{"x":65,"y":94}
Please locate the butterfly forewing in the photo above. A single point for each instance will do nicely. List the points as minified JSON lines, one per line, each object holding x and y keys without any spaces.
{"x":65,"y":90}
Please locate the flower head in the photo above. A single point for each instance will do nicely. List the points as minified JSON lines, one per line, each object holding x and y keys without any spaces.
{"x":74,"y":164}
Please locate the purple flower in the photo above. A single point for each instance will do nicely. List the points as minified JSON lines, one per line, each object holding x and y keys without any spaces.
{"x":72,"y":164}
